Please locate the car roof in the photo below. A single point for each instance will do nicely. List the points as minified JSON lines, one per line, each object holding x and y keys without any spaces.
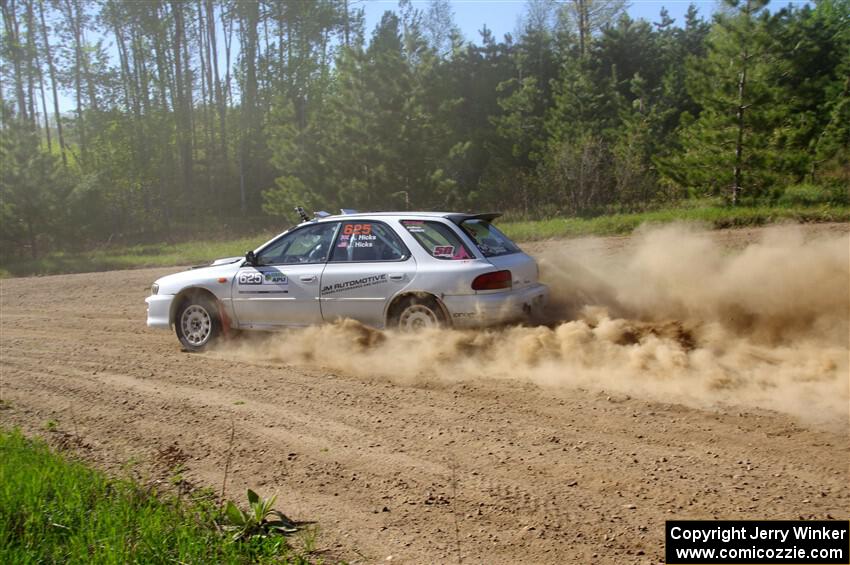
{"x":389,"y":213}
{"x":456,"y":217}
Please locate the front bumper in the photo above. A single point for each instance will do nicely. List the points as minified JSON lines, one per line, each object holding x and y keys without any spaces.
{"x":159,"y":310}
{"x":476,"y":310}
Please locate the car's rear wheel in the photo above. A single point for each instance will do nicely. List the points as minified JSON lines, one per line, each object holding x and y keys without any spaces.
{"x":419,"y":314}
{"x":198,"y":323}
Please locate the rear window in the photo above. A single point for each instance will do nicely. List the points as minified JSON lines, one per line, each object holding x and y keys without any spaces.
{"x":437,"y":239}
{"x":489,"y":240}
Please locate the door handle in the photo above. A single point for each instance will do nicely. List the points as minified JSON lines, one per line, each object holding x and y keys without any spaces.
{"x":307,"y":278}
{"x":397,"y":277}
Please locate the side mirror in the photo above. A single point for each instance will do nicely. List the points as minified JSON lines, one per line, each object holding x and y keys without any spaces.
{"x":251,"y":258}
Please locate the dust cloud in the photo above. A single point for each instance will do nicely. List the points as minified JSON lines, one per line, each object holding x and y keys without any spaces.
{"x":671,"y":315}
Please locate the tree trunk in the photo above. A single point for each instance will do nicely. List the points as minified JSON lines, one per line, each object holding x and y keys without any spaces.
{"x":11,"y":23}
{"x":281,"y":55}
{"x":140,"y":72}
{"x":166,"y":164}
{"x":52,"y":71}
{"x":33,"y":239}
{"x":79,"y":34}
{"x":44,"y":108}
{"x":219,"y":94}
{"x":739,"y":140}
{"x":31,"y":30}
{"x":205,"y":107}
{"x":78,"y":79}
{"x":188,"y":88}
{"x":124,"y":65}
{"x":739,"y":115}
{"x":227,"y":25}
{"x":181,"y":109}
{"x":31,"y":70}
{"x":346,"y":23}
{"x":248,"y":42}
{"x":4,"y":116}
{"x":582,"y":17}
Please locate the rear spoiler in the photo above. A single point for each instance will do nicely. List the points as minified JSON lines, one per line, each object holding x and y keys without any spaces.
{"x":460,"y":218}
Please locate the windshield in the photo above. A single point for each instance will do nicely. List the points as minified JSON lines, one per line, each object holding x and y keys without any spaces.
{"x":489,"y":240}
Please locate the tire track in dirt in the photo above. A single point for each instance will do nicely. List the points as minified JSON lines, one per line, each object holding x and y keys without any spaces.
{"x":529,"y":474}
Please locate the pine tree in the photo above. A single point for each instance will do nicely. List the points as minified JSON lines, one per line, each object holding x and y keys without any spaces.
{"x":815,"y":44}
{"x":32,"y":189}
{"x":728,"y":149}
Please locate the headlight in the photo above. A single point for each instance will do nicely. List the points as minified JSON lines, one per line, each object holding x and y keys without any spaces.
{"x":154,"y":288}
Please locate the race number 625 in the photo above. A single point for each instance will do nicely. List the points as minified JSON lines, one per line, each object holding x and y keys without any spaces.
{"x":250,"y":278}
{"x":357,"y":229}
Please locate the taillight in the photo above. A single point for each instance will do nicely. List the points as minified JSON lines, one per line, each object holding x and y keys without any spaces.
{"x":492,"y":281}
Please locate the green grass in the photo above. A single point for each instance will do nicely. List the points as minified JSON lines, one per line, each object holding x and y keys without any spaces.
{"x":713,"y":216}
{"x":197,"y":252}
{"x":55,"y":510}
{"x":137,"y":256}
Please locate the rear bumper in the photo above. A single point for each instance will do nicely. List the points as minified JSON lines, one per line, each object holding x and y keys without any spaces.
{"x":475,"y":310}
{"x":159,"y":310}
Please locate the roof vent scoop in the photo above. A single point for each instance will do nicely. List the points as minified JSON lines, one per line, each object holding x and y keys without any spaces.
{"x":347,"y":211}
{"x":321,"y":214}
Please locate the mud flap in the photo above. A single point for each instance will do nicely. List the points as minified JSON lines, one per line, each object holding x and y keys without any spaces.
{"x":225,"y":319}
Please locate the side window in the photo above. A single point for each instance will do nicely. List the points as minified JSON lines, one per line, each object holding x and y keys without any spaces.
{"x":437,"y":239}
{"x":310,"y":244}
{"x":367,"y":241}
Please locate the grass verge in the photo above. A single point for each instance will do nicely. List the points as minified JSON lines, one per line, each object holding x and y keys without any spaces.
{"x":714,"y":216}
{"x":197,"y":252}
{"x":55,"y":510}
{"x":132,"y":257}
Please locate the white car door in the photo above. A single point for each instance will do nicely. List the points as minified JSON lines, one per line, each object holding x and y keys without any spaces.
{"x":368,"y":265}
{"x":282,"y":287}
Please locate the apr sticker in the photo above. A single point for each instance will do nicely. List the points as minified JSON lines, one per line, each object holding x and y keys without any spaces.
{"x":274,"y":278}
{"x":250,"y":277}
{"x":444,"y":251}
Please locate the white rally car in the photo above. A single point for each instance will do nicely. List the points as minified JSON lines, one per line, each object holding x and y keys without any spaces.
{"x":385,"y":269}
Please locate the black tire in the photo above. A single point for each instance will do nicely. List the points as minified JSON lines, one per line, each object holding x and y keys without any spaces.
{"x":197,"y":322}
{"x":414,"y":314}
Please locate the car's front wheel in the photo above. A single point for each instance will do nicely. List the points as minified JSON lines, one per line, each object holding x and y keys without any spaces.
{"x":418,"y":314}
{"x":197,"y":323}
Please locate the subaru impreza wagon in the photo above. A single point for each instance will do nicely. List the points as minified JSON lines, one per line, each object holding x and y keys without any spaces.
{"x":407,"y":270}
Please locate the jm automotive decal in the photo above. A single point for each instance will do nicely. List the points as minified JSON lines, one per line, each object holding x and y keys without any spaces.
{"x":353,"y":284}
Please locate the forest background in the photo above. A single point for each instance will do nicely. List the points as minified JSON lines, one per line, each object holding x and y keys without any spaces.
{"x":214,"y":118}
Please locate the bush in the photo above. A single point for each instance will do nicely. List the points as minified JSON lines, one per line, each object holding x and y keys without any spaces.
{"x":812,"y":194}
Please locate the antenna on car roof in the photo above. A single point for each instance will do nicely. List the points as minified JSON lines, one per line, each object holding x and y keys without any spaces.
{"x":302,"y":214}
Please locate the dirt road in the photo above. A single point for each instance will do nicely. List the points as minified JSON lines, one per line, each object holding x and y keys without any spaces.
{"x":419,"y":470}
